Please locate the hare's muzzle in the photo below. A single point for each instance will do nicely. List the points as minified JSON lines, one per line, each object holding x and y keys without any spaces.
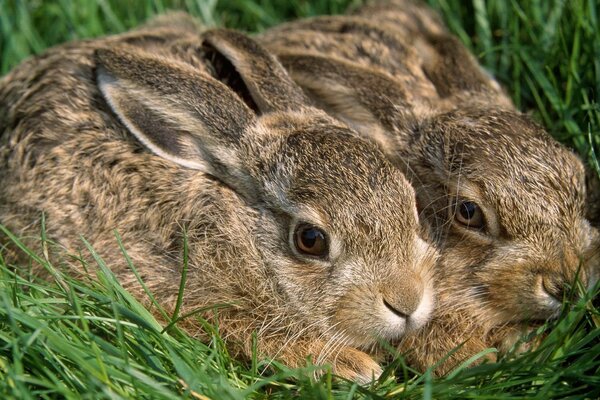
{"x":411,"y":300}
{"x":554,"y":289}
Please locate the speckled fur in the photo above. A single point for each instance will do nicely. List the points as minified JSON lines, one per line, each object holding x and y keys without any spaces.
{"x":394,"y":73}
{"x":65,"y":153}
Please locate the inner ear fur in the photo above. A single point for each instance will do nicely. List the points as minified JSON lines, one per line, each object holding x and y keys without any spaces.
{"x":224,"y":71}
{"x":252,"y":72}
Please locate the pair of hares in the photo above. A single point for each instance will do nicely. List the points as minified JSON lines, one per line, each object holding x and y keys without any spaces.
{"x":305,"y":226}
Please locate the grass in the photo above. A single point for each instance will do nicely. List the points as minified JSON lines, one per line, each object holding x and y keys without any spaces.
{"x":66,"y":338}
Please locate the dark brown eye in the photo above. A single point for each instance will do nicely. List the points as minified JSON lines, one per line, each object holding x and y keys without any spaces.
{"x":468,"y":213}
{"x":311,"y":241}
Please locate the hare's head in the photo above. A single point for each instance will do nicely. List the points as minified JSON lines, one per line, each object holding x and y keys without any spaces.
{"x":509,"y":203}
{"x":336,"y":223}
{"x":506,"y":201}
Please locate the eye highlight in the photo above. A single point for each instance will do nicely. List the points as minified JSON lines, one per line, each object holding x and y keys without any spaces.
{"x":311,"y":241}
{"x":469,"y":214}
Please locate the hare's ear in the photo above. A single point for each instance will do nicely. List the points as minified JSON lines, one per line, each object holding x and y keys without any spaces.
{"x":252,"y":71}
{"x":453,"y":69}
{"x":372,"y":103}
{"x":177,"y":112}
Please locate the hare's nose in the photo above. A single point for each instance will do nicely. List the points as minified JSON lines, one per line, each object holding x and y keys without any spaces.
{"x":554,"y":288}
{"x":402,"y":303}
{"x":560,"y":288}
{"x":395,"y":310}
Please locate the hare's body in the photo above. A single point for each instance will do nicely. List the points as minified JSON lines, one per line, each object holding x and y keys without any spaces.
{"x":301,"y":228}
{"x":504,"y":200}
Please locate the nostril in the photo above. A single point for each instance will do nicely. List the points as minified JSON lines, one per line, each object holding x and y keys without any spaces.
{"x":559,"y":294}
{"x":395,"y":310}
{"x":554,"y":289}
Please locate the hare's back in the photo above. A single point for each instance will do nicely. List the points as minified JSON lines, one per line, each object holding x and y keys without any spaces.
{"x":64,"y":154}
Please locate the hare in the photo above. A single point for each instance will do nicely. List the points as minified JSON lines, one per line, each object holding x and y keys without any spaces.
{"x":303,"y":228}
{"x":505,"y":201}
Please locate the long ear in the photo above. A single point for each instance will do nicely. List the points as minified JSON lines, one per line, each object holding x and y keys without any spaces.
{"x":456,"y":74}
{"x":268,"y":84}
{"x":372,"y":103}
{"x":452,"y":68}
{"x":177,"y":112}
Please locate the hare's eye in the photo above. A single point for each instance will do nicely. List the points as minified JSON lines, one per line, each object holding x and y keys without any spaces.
{"x":312,"y":241}
{"x":468,"y":213}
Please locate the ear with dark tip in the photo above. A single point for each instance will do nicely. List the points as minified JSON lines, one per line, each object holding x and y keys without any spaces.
{"x":452,"y":68}
{"x":177,"y":112}
{"x":268,"y":84}
{"x":372,"y":103}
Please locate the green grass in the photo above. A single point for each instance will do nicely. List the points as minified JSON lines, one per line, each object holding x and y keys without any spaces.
{"x":68,"y":338}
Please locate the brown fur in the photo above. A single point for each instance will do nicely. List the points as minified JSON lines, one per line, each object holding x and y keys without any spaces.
{"x":393,"y":72}
{"x":145,"y":133}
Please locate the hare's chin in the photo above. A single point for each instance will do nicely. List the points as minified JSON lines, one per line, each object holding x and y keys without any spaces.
{"x":392,"y":326}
